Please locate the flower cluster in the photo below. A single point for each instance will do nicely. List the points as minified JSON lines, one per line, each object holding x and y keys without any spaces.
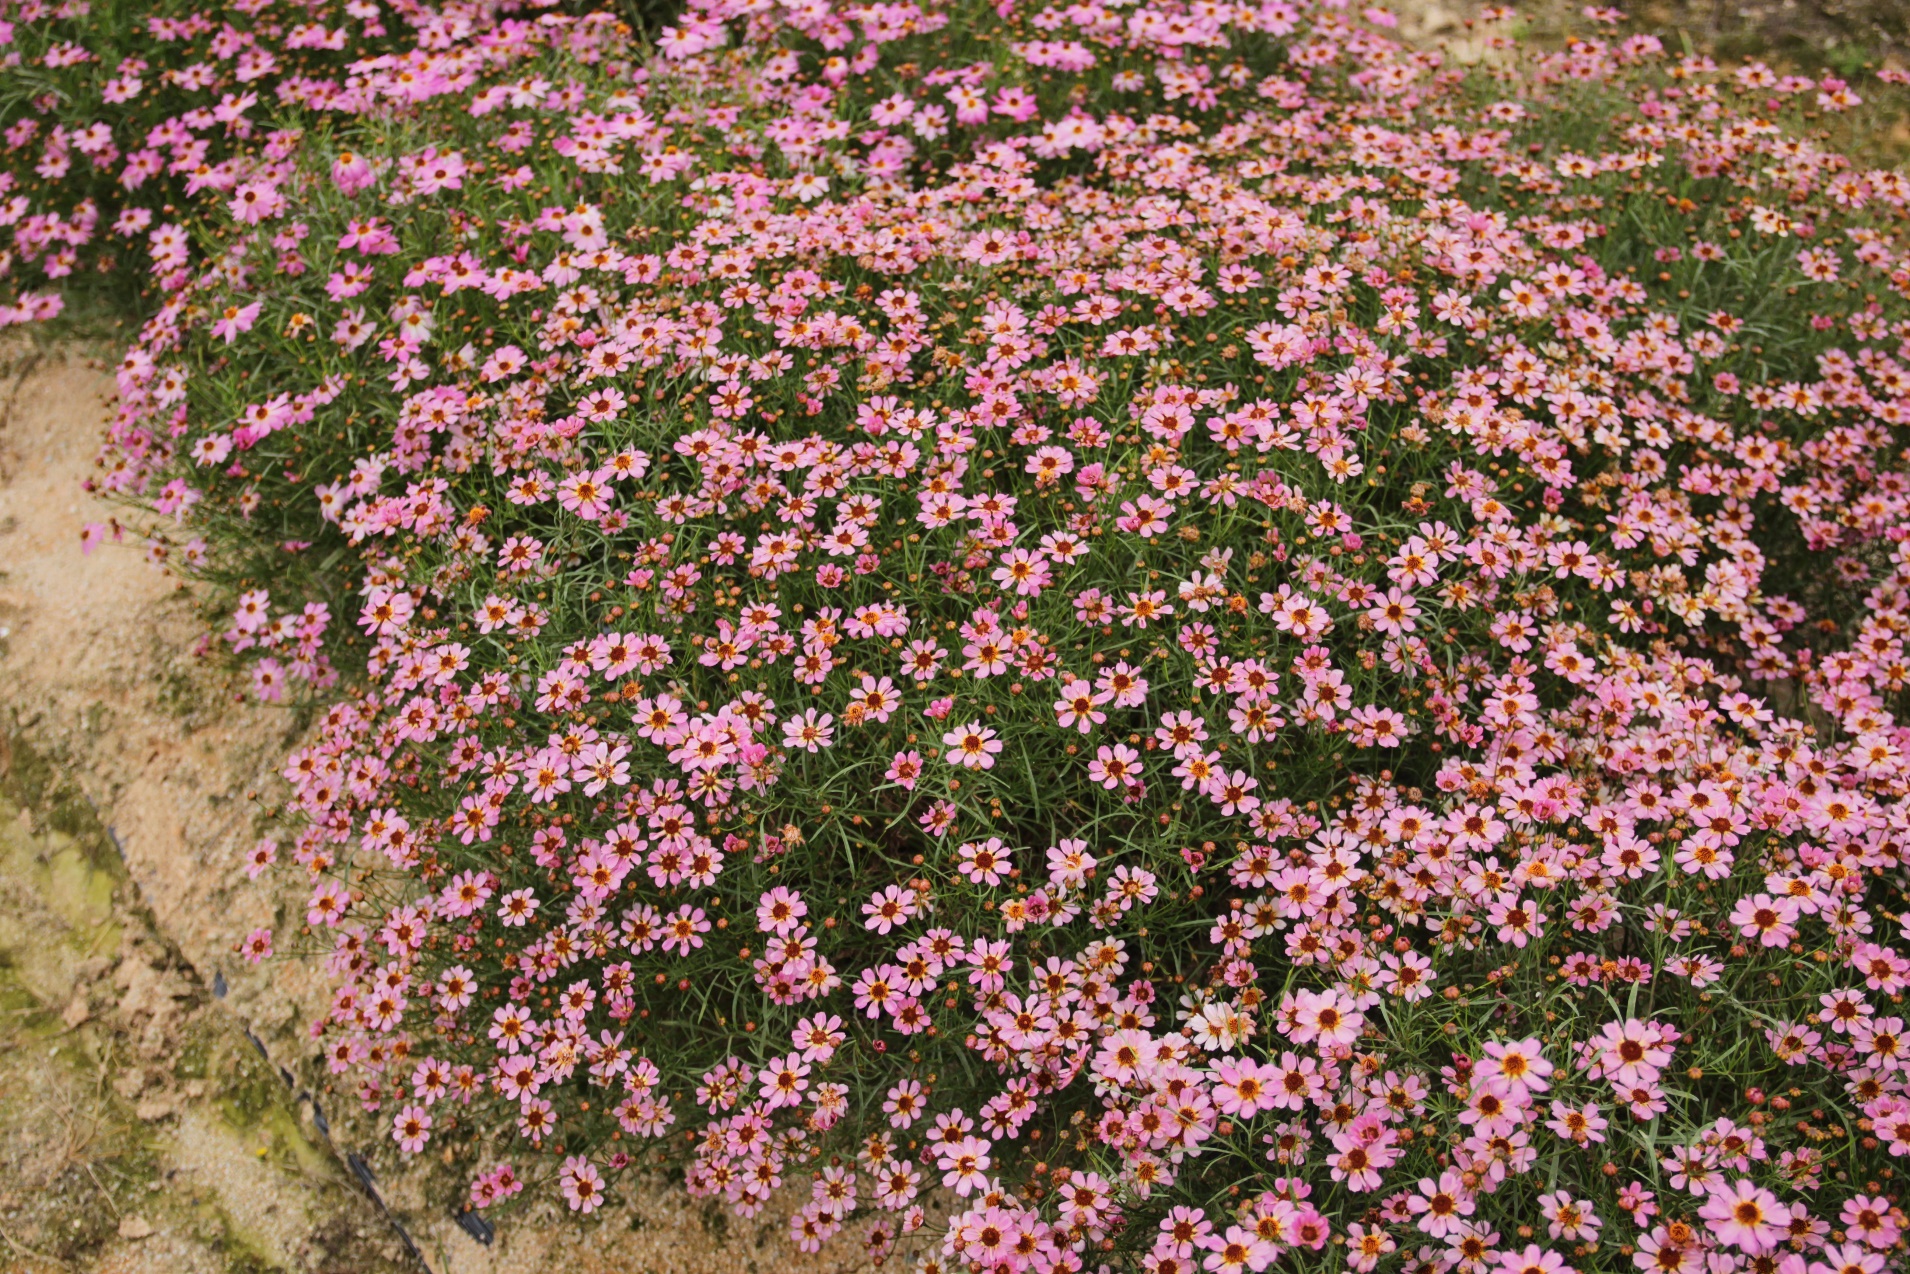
{"x":127,"y":115}
{"x":1147,"y":632}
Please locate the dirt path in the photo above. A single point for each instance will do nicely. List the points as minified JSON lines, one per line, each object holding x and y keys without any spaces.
{"x":140,"y":1128}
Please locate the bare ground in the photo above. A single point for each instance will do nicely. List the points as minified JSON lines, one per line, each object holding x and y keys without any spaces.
{"x":141,"y":1127}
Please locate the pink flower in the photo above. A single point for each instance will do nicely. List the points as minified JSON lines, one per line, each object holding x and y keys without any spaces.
{"x":904,"y":1104}
{"x":964,"y":1164}
{"x":1873,"y":1220}
{"x":876,"y":990}
{"x":411,"y":1129}
{"x":351,"y":172}
{"x":1519,"y":1067}
{"x":256,"y":201}
{"x":1518,"y":921}
{"x":329,"y":903}
{"x":1079,"y":707}
{"x":432,"y":170}
{"x":263,"y":855}
{"x":1581,"y":1124}
{"x":810,"y":732}
{"x":582,"y":1185}
{"x":984,"y":862}
{"x":683,"y":929}
{"x":784,"y":1081}
{"x":1366,"y":1246}
{"x":1568,"y":1218}
{"x":1237,"y":1250}
{"x":818,"y":1037}
{"x":1533,"y":1260}
{"x":588,"y":495}
{"x":1115,"y":767}
{"x":888,"y":907}
{"x":1745,"y":1216}
{"x":234,"y":320}
{"x":1324,"y":1018}
{"x":904,"y":769}
{"x":1848,"y":1258}
{"x":780,"y":910}
{"x":1772,"y":921}
{"x":257,"y":946}
{"x":1441,"y":1206}
{"x":1632,"y":1053}
{"x":1232,"y":792}
{"x":972,"y":745}
{"x":1243,"y":1087}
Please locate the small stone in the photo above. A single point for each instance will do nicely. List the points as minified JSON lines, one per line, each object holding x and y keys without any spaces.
{"x":134,"y":1227}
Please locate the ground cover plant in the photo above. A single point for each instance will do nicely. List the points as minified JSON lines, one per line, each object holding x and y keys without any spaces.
{"x":1172,"y":637}
{"x":116,"y":118}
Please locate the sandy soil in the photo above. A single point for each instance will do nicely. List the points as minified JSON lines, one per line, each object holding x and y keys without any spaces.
{"x":140,"y":1128}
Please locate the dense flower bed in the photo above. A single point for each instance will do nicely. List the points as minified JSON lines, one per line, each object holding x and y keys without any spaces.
{"x":1137,"y":634}
{"x":117,"y":117}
